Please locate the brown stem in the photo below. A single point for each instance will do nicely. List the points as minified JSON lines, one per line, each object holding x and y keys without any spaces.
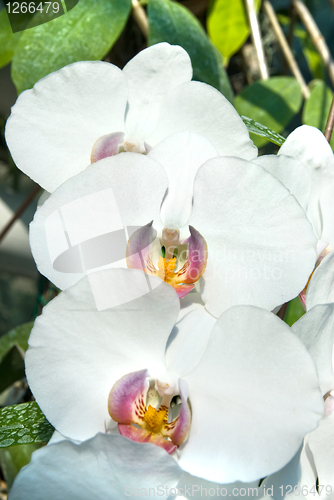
{"x":330,"y":123}
{"x":20,"y":211}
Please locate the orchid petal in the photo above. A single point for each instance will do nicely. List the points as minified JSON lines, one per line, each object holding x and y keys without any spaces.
{"x":102,"y":467}
{"x":51,"y":149}
{"x":195,"y":487}
{"x":310,"y":146}
{"x":261,"y":245}
{"x":151,"y":75}
{"x":291,"y":172}
{"x":181,"y":155}
{"x":127,"y":398}
{"x":197,"y":256}
{"x":254,"y":396}
{"x":75,"y":400}
{"x":190,"y":336}
{"x":316,"y":330}
{"x":321,"y":443}
{"x":327,"y":213}
{"x":199,"y":108}
{"x":321,"y":287}
{"x":297,"y":476}
{"x":81,"y":227}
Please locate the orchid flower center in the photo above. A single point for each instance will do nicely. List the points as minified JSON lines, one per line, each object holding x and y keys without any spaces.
{"x":140,"y":421}
{"x":179,"y":263}
{"x":115,"y":143}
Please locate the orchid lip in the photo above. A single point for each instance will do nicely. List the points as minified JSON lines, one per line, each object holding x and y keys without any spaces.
{"x":115,"y":143}
{"x":180,"y":268}
{"x":130,"y":403}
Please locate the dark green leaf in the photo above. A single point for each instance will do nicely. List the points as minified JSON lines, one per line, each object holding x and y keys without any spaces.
{"x":23,"y":424}
{"x":262,"y":131}
{"x":11,"y":368}
{"x":17,"y":336}
{"x":227,"y":25}
{"x":12,"y":459}
{"x":317,"y":106}
{"x":87,"y":32}
{"x":8,"y":39}
{"x":171,"y":22}
{"x":272,"y":102}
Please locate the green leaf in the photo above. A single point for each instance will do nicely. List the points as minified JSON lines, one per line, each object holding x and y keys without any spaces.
{"x":11,"y":368}
{"x":227,"y":25}
{"x":87,"y":32}
{"x":294,"y":311}
{"x":14,"y":458}
{"x":271,"y":102}
{"x":23,"y":424}
{"x":316,"y":109}
{"x":171,"y":22}
{"x":262,"y":131}
{"x":17,"y":336}
{"x":8,"y":39}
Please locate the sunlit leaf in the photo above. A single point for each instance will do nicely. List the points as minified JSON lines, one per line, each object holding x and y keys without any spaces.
{"x":17,"y":336}
{"x":23,"y":424}
{"x":87,"y":32}
{"x":227,"y":24}
{"x":263,"y":131}
{"x":316,"y":109}
{"x":171,"y":22}
{"x":294,"y":311}
{"x":8,"y":39}
{"x":272,"y":102}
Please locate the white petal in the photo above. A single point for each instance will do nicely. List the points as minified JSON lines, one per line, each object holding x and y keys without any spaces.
{"x":321,"y":287}
{"x":195,"y":487}
{"x":316,"y":331}
{"x":103,"y":467}
{"x":190,"y":336}
{"x":292,"y":173}
{"x":76,"y":353}
{"x":310,"y":146}
{"x":327,"y":213}
{"x":261,"y":246}
{"x":197,"y":107}
{"x":54,"y":126}
{"x":321,"y":443}
{"x":86,"y":223}
{"x":151,"y":75}
{"x":296,"y":477}
{"x":181,"y":155}
{"x":254,"y":395}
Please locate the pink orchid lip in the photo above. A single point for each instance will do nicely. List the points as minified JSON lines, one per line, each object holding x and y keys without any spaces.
{"x":127,"y":405}
{"x":107,"y":145}
{"x":117,"y":142}
{"x":139,"y":255}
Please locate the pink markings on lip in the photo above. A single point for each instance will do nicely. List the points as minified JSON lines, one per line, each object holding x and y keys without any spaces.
{"x":107,"y":145}
{"x":145,"y":436}
{"x":178,"y":429}
{"x":127,"y":398}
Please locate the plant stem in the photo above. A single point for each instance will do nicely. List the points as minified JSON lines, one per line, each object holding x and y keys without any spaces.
{"x":316,"y":36}
{"x":285,"y":48}
{"x":256,"y":37}
{"x":140,"y":17}
{"x":19,"y":211}
{"x":330,"y":123}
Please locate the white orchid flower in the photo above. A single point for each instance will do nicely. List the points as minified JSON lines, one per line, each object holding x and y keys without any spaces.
{"x":259,"y":244}
{"x":305,"y":165}
{"x":247,"y":386}
{"x":310,"y":473}
{"x":89,"y":110}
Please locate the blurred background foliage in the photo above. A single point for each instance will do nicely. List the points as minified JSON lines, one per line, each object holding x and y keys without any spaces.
{"x":222,"y":45}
